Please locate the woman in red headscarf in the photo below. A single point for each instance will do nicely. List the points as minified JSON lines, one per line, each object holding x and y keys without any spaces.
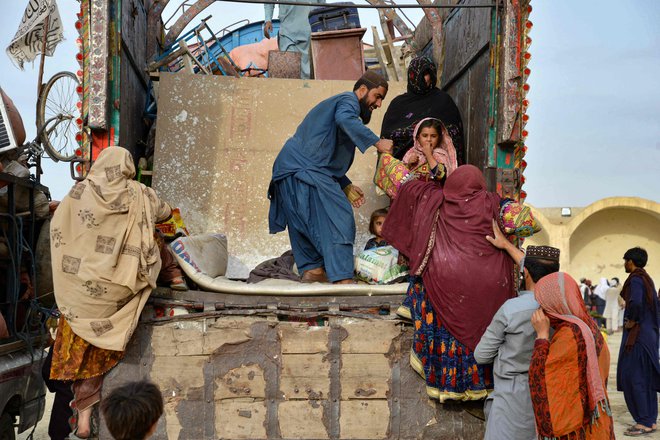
{"x":568,"y":373}
{"x":460,"y":279}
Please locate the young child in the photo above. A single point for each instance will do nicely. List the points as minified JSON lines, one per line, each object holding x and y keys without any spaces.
{"x":433,"y":152}
{"x":131,"y":411}
{"x":375,"y":227}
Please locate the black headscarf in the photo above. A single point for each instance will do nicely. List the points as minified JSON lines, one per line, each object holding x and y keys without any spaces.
{"x":421,"y":101}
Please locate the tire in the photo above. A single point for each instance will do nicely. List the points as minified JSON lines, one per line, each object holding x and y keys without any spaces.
{"x":59,"y":97}
{"x":7,"y":431}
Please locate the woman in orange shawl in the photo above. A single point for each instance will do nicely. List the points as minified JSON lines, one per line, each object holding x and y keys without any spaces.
{"x":568,"y":372}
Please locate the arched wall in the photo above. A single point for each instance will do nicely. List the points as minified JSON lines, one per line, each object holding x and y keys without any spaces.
{"x":593,"y":242}
{"x":598,"y":243}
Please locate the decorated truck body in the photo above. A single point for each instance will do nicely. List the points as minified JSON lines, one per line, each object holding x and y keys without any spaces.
{"x":261,"y":365}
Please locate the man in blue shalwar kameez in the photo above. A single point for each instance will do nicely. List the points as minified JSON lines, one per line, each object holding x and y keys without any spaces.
{"x":309,"y":192}
{"x":638,"y":370}
{"x":295,"y":31}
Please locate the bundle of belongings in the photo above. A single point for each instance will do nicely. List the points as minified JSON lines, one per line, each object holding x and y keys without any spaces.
{"x":380,"y":265}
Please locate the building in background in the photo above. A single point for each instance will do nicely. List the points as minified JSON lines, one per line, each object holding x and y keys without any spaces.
{"x":593,"y":239}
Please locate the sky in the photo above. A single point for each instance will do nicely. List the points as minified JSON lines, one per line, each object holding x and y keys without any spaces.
{"x":594,"y":128}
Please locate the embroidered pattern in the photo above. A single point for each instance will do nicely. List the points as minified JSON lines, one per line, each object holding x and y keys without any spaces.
{"x":113,"y":173}
{"x":67,"y":313}
{"x":119,"y":204}
{"x":133,"y":251}
{"x":101,"y":327}
{"x":56,"y":237}
{"x":105,"y":244}
{"x":94,"y":289}
{"x":77,"y":191}
{"x":70,"y":264}
{"x":87,"y":218}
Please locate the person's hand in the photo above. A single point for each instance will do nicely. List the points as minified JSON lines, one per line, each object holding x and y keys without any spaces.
{"x":426,"y":148}
{"x":498,"y":239}
{"x":385,"y":146}
{"x":355,"y":195}
{"x":359,"y":201}
{"x":541,"y":324}
{"x":268,"y":28}
{"x":412,"y":162}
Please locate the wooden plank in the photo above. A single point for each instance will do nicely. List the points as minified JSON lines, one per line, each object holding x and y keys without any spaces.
{"x":479,"y":103}
{"x":382,"y":58}
{"x":364,"y":419}
{"x":244,"y":381}
{"x":168,"y":340}
{"x":465,"y":34}
{"x":394,"y":50}
{"x":180,"y":376}
{"x":298,"y":338}
{"x":302,"y":420}
{"x":369,"y":337}
{"x":227,"y":331}
{"x":365,"y":376}
{"x":239,"y":420}
{"x":305,"y":376}
{"x":231,"y":301}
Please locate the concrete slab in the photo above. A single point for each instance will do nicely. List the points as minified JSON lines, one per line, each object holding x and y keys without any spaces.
{"x":216,"y":141}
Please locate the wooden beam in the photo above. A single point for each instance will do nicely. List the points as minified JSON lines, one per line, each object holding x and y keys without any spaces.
{"x":394,"y":51}
{"x":382,"y":57}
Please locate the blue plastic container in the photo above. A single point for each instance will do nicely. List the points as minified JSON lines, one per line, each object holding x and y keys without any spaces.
{"x":248,"y":34}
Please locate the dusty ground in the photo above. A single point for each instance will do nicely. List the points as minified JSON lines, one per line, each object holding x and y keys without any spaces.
{"x":622,"y":418}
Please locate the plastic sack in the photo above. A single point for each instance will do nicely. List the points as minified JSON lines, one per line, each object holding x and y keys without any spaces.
{"x":379,"y":266}
{"x":206,"y":254}
{"x":174,"y":227}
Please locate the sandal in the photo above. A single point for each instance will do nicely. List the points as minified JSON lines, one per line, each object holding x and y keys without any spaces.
{"x":635,"y":431}
{"x":178,"y":283}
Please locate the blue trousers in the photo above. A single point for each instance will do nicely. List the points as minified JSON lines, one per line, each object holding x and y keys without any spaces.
{"x":321,"y":226}
{"x":637,"y":384}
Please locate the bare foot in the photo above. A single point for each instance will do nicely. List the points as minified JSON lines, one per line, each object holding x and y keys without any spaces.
{"x":84,"y":423}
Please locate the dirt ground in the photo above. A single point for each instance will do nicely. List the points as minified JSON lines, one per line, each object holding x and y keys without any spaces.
{"x":622,"y":418}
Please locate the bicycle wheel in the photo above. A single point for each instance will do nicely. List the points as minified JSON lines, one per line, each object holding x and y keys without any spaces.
{"x":57,"y":107}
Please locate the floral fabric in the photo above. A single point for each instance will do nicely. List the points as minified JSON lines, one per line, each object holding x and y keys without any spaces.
{"x":76,"y":359}
{"x":449,"y":367}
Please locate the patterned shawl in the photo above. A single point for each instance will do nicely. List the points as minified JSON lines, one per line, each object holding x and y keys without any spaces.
{"x":445,"y":153}
{"x":570,"y":376}
{"x":104,"y":255}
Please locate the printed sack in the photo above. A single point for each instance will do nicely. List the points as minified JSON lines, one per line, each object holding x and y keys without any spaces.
{"x":379,"y":266}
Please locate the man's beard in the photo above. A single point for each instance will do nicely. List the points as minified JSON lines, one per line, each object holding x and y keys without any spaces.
{"x":365,"y":112}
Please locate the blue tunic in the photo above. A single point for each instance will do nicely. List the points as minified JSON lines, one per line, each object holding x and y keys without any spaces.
{"x":638,"y":371}
{"x":306,"y":189}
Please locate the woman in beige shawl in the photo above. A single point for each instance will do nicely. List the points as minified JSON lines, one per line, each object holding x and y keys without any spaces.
{"x":105,"y":264}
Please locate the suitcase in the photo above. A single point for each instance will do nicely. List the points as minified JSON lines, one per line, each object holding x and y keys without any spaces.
{"x":334,"y":17}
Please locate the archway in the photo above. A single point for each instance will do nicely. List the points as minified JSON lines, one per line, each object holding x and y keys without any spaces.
{"x":600,"y":237}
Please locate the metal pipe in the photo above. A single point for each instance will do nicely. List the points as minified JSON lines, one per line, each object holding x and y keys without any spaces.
{"x":294,"y":3}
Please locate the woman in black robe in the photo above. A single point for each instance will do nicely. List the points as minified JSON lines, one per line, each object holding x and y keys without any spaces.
{"x":422,"y":100}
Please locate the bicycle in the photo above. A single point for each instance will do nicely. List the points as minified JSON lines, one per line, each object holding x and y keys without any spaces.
{"x":58,"y":101}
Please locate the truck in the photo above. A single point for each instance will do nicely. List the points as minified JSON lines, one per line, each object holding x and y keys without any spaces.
{"x":23,"y":332}
{"x":258,"y":363}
